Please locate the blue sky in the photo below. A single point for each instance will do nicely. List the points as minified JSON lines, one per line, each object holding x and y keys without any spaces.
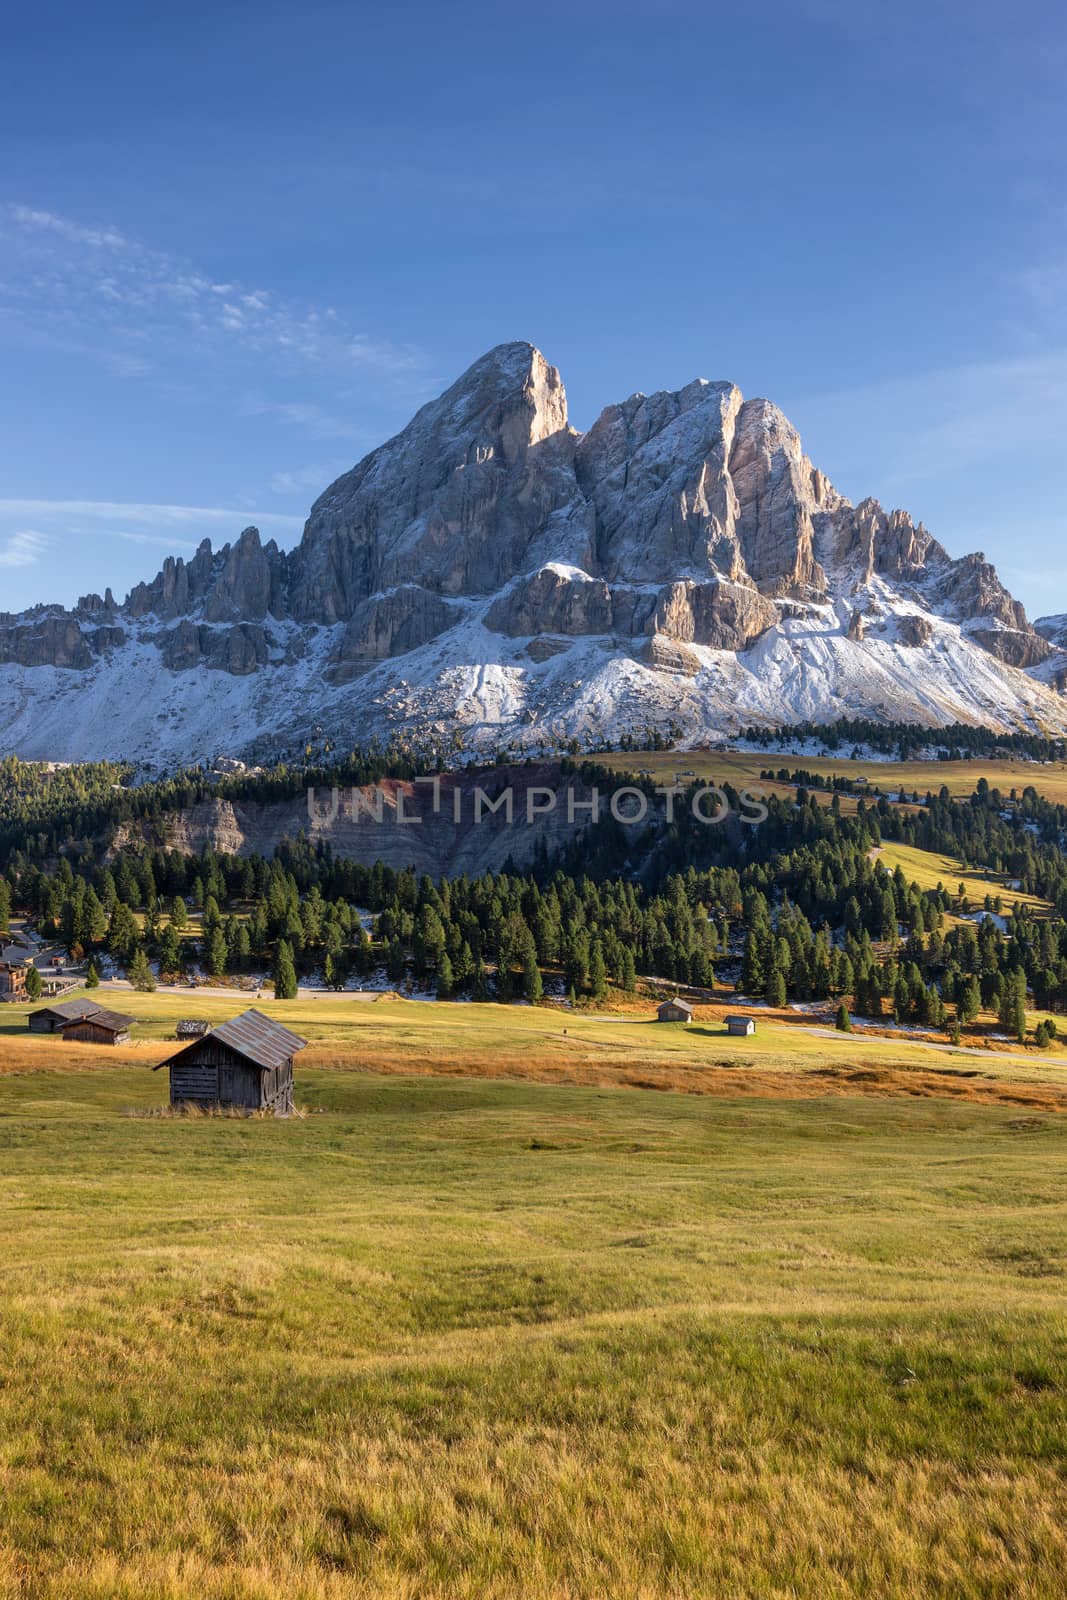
{"x":241,"y":243}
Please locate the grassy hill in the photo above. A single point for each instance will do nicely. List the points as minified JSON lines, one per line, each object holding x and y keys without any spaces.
{"x":483,"y":1339}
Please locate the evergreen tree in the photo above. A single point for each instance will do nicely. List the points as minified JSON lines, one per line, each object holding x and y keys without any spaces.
{"x":531,"y":978}
{"x":34,"y":985}
{"x":284,"y":972}
{"x":92,"y":977}
{"x":775,"y":993}
{"x":598,"y":973}
{"x":217,"y":952}
{"x":844,"y":1021}
{"x":139,"y":972}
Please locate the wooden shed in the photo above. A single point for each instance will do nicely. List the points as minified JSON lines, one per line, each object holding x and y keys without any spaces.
{"x":246,"y":1063}
{"x":99,"y":1027}
{"x":740,"y":1027}
{"x":674,"y":1010}
{"x":53,"y":1019}
{"x":192,"y":1028}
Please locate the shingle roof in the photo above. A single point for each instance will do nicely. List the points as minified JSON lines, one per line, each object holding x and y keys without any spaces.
{"x":72,"y":1009}
{"x":100,"y":1017}
{"x":675,"y":1001}
{"x":259,"y":1039}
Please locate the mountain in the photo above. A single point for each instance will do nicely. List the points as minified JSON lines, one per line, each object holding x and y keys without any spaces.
{"x":492,"y":573}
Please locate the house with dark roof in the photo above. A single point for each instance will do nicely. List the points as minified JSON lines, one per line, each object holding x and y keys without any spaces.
{"x":86,"y":1020}
{"x":246,"y":1063}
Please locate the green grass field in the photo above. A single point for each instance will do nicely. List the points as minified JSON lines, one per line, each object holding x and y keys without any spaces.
{"x":930,"y":871}
{"x":744,"y":766}
{"x":445,"y":1337}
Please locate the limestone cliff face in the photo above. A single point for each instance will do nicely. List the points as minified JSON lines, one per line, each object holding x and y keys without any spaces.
{"x":446,"y":573}
{"x":455,"y":502}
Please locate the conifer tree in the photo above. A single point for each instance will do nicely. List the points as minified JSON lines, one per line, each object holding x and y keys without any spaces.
{"x":284,"y":972}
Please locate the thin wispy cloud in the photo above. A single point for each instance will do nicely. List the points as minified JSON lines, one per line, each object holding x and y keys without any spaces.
{"x":149,"y":516}
{"x":23,"y":549}
{"x":79,"y":282}
{"x":311,"y":479}
{"x":950,"y":419}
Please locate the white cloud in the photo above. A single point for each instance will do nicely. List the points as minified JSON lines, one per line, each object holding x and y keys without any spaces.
{"x":938,"y":423}
{"x":23,"y":549}
{"x":148,"y":515}
{"x":311,"y":479}
{"x":68,"y":277}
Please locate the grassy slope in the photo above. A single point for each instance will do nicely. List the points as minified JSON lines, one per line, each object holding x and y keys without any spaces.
{"x":491,"y":1339}
{"x":929,"y":871}
{"x":548,"y":1044}
{"x":959,"y":777}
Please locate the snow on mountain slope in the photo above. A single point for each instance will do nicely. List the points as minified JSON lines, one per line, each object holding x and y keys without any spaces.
{"x":490,"y":572}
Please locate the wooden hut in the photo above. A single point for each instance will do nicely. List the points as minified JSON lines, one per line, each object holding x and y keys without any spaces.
{"x":192,"y":1028}
{"x":53,"y":1019}
{"x":740,"y":1027}
{"x":246,"y":1063}
{"x":99,"y":1027}
{"x":674,"y":1010}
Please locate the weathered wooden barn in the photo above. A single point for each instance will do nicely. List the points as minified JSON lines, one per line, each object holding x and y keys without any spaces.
{"x":246,"y":1063}
{"x":82,"y":1019}
{"x":99,"y":1027}
{"x":740,"y":1027}
{"x":674,"y":1010}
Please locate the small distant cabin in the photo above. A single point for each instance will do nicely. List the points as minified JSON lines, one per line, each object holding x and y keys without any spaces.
{"x":246,"y":1063}
{"x":740,"y":1027}
{"x":674,"y":1010}
{"x":191,"y":1028}
{"x":84,"y":1020}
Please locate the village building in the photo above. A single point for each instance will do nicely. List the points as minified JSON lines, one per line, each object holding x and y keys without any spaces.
{"x":674,"y":1010}
{"x":246,"y":1063}
{"x":740,"y":1027}
{"x":85,"y":1020}
{"x":14,"y":969}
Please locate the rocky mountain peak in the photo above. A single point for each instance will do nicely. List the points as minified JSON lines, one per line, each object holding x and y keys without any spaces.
{"x":488,"y":568}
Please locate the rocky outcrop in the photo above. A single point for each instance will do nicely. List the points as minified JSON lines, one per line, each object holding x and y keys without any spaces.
{"x":1016,"y":647}
{"x":723,"y":616}
{"x":51,"y":640}
{"x":392,"y":624}
{"x":667,"y":655}
{"x":239,"y":650}
{"x":970,"y":587}
{"x":1054,"y":629}
{"x":915,"y":631}
{"x":553,"y":600}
